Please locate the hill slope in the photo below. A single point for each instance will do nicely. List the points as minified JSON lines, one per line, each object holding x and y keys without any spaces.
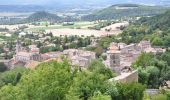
{"x":156,"y":29}
{"x":42,"y":16}
{"x":161,"y":22}
{"x":125,"y":10}
{"x":21,"y":8}
{"x":37,"y":17}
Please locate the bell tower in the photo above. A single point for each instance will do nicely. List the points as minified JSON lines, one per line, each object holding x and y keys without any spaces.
{"x":18,"y":46}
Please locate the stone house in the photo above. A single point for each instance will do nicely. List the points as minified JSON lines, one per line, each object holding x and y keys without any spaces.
{"x":80,"y":58}
{"x":126,"y":77}
{"x":24,"y":56}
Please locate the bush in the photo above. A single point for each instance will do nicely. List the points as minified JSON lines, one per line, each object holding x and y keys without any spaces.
{"x":168,"y":96}
{"x":2,"y":67}
{"x":132,"y":91}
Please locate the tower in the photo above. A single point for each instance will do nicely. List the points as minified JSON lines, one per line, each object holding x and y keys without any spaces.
{"x":18,"y":46}
{"x":114,"y":58}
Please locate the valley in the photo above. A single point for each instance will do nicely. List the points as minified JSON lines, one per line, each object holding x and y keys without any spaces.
{"x":85,"y":50}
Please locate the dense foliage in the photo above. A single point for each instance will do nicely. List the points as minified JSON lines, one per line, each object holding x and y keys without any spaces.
{"x":153,"y":69}
{"x":155,"y":29}
{"x":58,"y":81}
{"x":3,"y":67}
{"x":125,"y":11}
{"x":12,"y":76}
{"x":36,"y":17}
{"x":42,"y":16}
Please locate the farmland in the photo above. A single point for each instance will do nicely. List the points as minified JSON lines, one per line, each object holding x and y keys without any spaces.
{"x":77,"y":25}
{"x":88,"y":32}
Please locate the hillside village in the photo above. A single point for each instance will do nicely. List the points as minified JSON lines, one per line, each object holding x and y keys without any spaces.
{"x":121,"y":52}
{"x":120,"y":57}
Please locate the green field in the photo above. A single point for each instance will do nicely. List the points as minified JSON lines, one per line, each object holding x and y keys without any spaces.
{"x":155,"y":97}
{"x":159,"y":97}
{"x":60,"y":26}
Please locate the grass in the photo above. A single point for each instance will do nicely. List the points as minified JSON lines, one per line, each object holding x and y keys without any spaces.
{"x":60,"y":26}
{"x":159,"y":97}
{"x":155,"y":97}
{"x":146,"y":96}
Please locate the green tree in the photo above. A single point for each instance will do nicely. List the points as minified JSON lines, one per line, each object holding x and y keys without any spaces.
{"x":3,"y":67}
{"x":144,"y":60}
{"x":98,"y":67}
{"x":49,"y":81}
{"x":87,"y":84}
{"x":157,"y":41}
{"x":143,"y":76}
{"x":11,"y":76}
{"x":153,"y":76}
{"x":132,"y":91}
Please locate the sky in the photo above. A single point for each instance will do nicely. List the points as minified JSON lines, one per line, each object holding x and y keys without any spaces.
{"x":20,"y":2}
{"x":44,"y":2}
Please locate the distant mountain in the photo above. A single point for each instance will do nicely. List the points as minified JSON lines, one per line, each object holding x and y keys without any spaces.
{"x":21,"y":8}
{"x":43,"y":16}
{"x":37,"y":17}
{"x":60,"y":5}
{"x":125,"y":10}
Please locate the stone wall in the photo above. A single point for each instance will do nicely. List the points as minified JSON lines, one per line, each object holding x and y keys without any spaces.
{"x":127,"y":77}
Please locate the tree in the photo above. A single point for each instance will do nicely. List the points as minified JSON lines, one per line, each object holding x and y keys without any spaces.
{"x":3,"y":67}
{"x":167,"y":41}
{"x":86,"y":84}
{"x":157,"y":41}
{"x":144,"y":60}
{"x":99,"y":51}
{"x":132,"y":91}
{"x":153,"y":80}
{"x":143,"y":76}
{"x":166,"y":57}
{"x":168,"y":95}
{"x":11,"y":76}
{"x":58,"y":81}
{"x":49,"y":81}
{"x":98,"y":67}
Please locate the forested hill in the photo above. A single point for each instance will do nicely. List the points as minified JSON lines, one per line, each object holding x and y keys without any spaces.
{"x":125,"y":10}
{"x":156,"y":29}
{"x":42,"y":16}
{"x":161,"y":21}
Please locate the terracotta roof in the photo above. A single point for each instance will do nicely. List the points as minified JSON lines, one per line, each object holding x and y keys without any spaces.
{"x":23,"y":54}
{"x":113,"y":51}
{"x":78,"y":58}
{"x":114,"y":47}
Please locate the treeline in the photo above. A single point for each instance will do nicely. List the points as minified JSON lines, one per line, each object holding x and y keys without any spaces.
{"x":53,"y":43}
{"x":58,"y":81}
{"x":156,"y":29}
{"x":154,"y":70}
{"x":125,"y":11}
